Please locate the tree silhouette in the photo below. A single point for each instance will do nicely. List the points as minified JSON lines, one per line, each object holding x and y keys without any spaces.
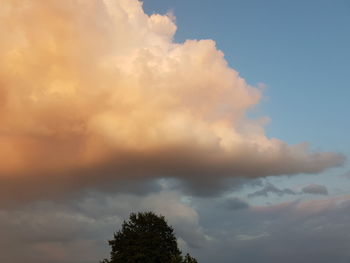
{"x":146,"y":238}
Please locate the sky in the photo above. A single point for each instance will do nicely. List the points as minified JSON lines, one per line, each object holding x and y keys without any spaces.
{"x":227,"y":117}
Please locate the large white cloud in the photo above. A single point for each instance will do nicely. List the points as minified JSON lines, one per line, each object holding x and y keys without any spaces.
{"x":95,"y":91}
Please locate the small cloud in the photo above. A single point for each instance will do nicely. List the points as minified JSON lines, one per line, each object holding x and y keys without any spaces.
{"x":251,"y":237}
{"x":315,"y":189}
{"x":270,"y":188}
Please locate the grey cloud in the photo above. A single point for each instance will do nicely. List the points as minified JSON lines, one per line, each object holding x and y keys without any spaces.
{"x":315,"y":189}
{"x":236,"y":204}
{"x":309,"y":189}
{"x":60,"y":232}
{"x":209,"y":187}
{"x":346,"y":174}
{"x":200,"y":176}
{"x":52,"y":233}
{"x":200,"y":173}
{"x":270,"y":188}
{"x":288,"y":232}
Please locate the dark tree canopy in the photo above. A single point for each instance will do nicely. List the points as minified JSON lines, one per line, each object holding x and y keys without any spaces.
{"x":146,"y":238}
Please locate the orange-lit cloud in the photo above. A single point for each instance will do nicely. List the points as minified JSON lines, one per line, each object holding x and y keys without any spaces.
{"x":93,"y":91}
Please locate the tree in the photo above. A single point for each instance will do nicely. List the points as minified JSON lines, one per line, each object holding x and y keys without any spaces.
{"x":189,"y":259}
{"x":146,"y":238}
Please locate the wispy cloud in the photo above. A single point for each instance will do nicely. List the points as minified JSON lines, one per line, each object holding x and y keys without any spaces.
{"x":315,"y":189}
{"x":270,"y":188}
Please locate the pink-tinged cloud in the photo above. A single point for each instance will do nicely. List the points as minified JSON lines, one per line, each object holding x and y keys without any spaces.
{"x":97,"y":91}
{"x":305,"y":208}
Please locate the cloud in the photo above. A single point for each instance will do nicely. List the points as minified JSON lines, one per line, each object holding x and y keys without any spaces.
{"x":96,"y":92}
{"x":310,"y":231}
{"x":346,"y":174}
{"x":270,"y":188}
{"x":315,"y":189}
{"x":309,"y":189}
{"x":236,"y":204}
{"x":77,"y":231}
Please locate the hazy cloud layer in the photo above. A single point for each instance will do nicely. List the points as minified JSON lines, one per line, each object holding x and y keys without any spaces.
{"x":96,"y":91}
{"x":77,"y":231}
{"x":311,"y":231}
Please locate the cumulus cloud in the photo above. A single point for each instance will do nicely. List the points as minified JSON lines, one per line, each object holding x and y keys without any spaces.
{"x":97,"y":91}
{"x":315,"y":189}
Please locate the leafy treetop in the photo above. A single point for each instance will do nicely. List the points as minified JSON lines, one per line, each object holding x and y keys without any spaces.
{"x":146,"y":238}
